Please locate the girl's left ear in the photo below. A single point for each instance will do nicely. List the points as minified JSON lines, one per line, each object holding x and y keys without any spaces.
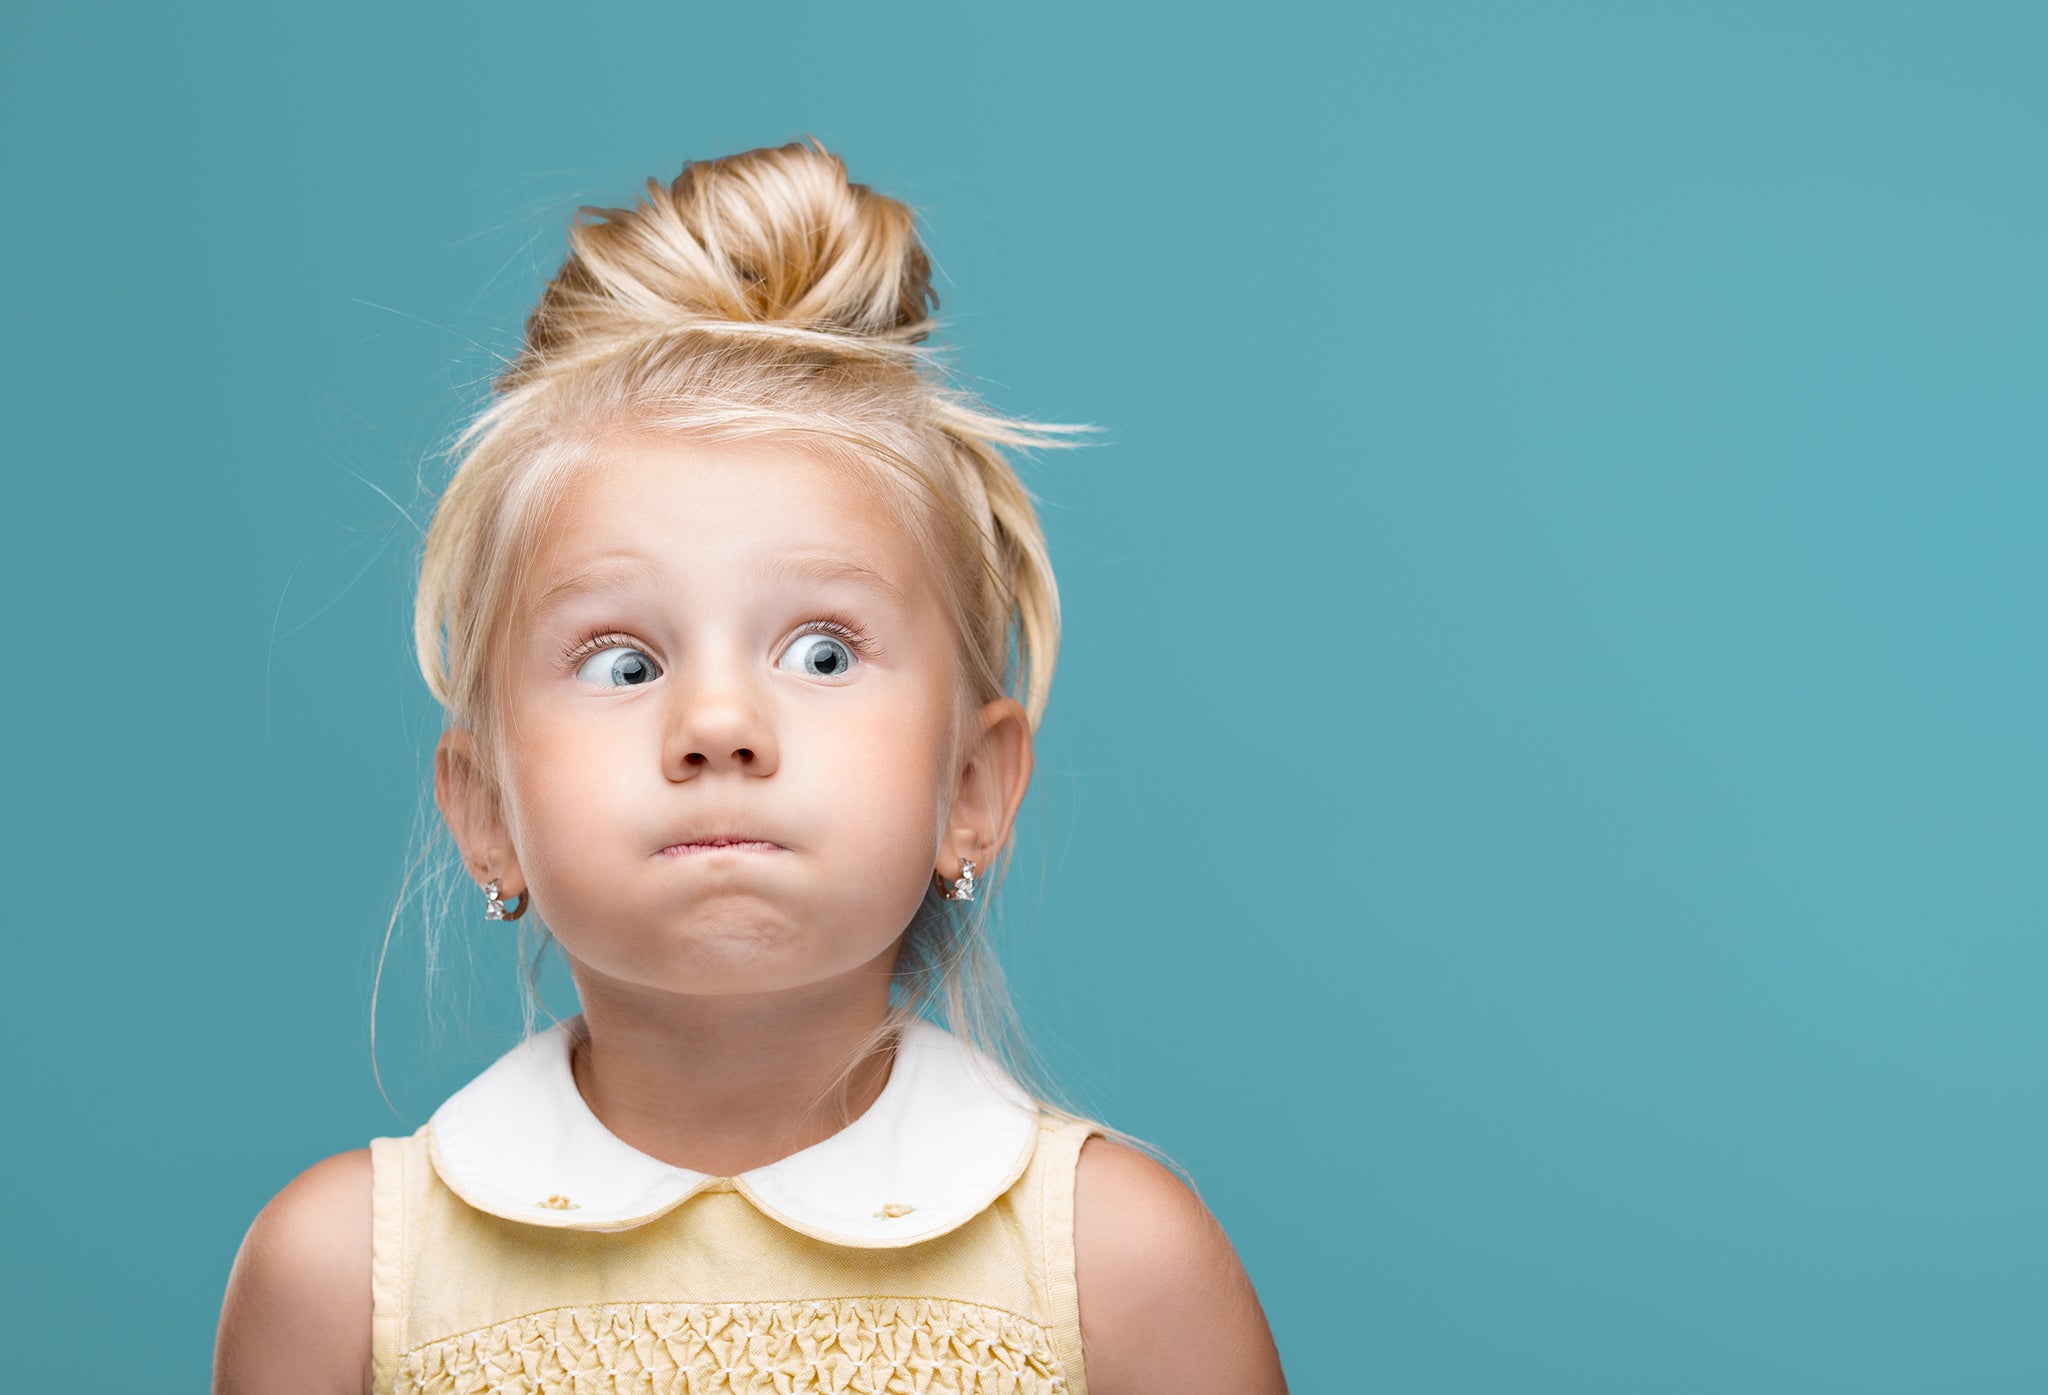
{"x":991,"y":782}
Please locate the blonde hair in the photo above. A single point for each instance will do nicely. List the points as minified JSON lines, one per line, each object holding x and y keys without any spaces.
{"x":759,"y":296}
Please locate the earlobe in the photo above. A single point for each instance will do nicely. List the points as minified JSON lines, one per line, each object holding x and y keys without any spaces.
{"x":990,"y":787}
{"x":470,"y":812}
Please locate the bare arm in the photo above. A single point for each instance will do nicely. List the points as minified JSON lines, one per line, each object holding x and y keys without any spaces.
{"x":297,"y":1313}
{"x":1166,"y":1307}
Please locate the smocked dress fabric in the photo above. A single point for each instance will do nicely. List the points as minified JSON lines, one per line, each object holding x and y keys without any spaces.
{"x":925,"y":1249}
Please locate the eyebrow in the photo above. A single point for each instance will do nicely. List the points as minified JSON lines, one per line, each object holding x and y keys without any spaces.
{"x":621,"y":569}
{"x":600,"y":575}
{"x":832,"y":567}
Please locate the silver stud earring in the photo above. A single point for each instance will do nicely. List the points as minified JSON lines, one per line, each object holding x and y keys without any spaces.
{"x":494,"y":908}
{"x":963,"y":888}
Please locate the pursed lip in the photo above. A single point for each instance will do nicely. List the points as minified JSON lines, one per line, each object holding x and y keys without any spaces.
{"x":713,"y":842}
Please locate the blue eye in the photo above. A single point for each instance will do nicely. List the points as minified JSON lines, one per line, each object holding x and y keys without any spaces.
{"x":618,"y":665}
{"x":819,"y":655}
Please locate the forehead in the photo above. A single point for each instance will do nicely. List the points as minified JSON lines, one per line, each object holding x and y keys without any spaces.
{"x":728,"y":511}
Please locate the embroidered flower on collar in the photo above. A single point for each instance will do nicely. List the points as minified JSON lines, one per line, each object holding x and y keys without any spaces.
{"x":948,"y":1135}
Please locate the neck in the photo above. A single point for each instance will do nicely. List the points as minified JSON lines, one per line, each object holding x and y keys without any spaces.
{"x":723,"y":1085}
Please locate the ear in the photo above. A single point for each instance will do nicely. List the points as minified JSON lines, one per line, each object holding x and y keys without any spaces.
{"x":993,"y":775}
{"x":473,"y":814}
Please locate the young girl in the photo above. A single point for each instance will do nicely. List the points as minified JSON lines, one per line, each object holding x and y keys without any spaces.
{"x":743,"y":625}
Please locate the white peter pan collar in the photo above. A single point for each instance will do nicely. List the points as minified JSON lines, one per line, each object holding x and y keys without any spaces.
{"x":948,"y":1135}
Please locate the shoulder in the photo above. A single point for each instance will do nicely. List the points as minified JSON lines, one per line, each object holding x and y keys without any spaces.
{"x":297,"y":1312}
{"x":1165,"y":1304}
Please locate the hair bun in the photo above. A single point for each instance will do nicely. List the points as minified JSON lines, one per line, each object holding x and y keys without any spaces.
{"x":775,"y":236}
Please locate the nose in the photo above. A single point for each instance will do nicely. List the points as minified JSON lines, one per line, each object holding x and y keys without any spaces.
{"x":718,"y":722}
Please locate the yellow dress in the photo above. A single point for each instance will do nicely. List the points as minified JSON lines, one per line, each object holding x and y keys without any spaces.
{"x":925,"y":1249}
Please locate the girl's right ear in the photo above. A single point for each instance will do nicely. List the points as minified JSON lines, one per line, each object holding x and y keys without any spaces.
{"x":472,"y":811}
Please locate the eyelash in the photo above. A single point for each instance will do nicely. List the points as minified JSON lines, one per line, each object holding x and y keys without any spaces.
{"x":838,"y":626}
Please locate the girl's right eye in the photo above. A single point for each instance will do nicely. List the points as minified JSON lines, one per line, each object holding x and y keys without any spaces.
{"x":618,"y":666}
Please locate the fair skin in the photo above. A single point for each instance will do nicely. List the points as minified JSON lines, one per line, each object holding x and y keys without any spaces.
{"x":705,"y":688}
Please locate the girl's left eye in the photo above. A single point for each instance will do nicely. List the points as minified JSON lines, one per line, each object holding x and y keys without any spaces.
{"x":826,"y":653}
{"x":621,"y":664}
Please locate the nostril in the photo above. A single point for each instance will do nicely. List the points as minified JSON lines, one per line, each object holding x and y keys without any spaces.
{"x":744,"y":754}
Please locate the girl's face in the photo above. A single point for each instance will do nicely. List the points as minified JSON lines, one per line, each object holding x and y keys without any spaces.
{"x":732,"y":642}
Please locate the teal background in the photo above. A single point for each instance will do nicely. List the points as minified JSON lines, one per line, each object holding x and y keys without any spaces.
{"x":1542,"y":802}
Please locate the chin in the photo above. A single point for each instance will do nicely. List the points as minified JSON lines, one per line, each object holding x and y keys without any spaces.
{"x":734,"y":957}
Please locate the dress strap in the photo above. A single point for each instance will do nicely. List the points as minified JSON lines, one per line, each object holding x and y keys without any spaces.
{"x":1056,"y":1210}
{"x":390,"y":1159}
